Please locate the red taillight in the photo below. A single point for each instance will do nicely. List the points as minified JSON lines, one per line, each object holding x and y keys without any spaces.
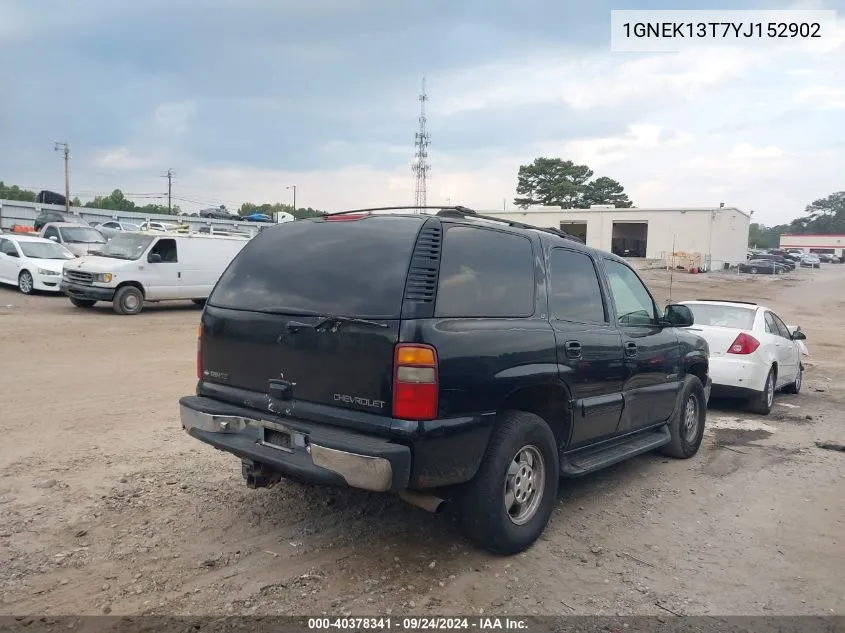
{"x":415,"y":385}
{"x":199,"y":353}
{"x":744,"y":344}
{"x":347,"y":217}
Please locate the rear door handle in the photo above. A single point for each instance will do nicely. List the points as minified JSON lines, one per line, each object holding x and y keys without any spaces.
{"x":573,"y":349}
{"x":631,"y":348}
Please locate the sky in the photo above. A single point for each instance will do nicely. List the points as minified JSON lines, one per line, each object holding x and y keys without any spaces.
{"x":246,"y":99}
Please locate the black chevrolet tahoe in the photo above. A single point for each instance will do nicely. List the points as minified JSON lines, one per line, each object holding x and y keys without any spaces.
{"x":442,"y":356}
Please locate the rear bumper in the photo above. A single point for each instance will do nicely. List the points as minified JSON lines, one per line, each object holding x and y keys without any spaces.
{"x":93,"y":293}
{"x":740,"y":375}
{"x":313,"y":453}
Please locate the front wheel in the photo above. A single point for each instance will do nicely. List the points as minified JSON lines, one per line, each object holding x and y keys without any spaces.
{"x":506,"y":507}
{"x":762,"y":402}
{"x":686,"y":428}
{"x":128,"y":300}
{"x":25,"y":283}
{"x":82,"y":303}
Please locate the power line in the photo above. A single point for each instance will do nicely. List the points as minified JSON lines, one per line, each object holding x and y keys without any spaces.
{"x":421,"y":168}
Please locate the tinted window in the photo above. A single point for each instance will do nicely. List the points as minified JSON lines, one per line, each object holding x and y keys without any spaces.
{"x":634,"y":305}
{"x":722,"y":316}
{"x":574,"y":291}
{"x":8,"y":248}
{"x":51,"y":231}
{"x":782,"y":330}
{"x":349,"y":268}
{"x":485,"y":273}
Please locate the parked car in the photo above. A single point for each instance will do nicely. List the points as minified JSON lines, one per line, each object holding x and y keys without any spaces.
{"x":220,"y":213}
{"x":136,"y":267}
{"x":394,"y":353}
{"x":789,"y":264}
{"x":32,"y":263}
{"x":810,"y":260}
{"x":753,"y":353}
{"x":828,"y":258}
{"x":113,"y":227}
{"x":763,"y":267}
{"x":45,"y":217}
{"x":158,"y":226}
{"x":77,"y":238}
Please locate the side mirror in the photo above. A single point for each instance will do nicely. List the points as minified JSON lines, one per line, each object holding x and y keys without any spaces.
{"x":798,"y":335}
{"x":676,"y":315}
{"x":154,"y":258}
{"x":53,"y":238}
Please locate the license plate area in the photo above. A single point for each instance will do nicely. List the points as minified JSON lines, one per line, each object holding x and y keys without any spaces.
{"x":277,"y":436}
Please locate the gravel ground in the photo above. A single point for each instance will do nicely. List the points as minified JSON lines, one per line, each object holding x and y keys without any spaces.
{"x":107,"y":506}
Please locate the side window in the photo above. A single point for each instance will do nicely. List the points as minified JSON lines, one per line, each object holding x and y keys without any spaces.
{"x":634,"y":305}
{"x":51,"y":231}
{"x":574,"y":291}
{"x":111,"y":225}
{"x":782,"y":330}
{"x":8,"y":248}
{"x":771,"y":328}
{"x":167,"y":249}
{"x":485,"y":273}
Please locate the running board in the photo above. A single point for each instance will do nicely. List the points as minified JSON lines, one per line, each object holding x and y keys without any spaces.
{"x":592,"y":458}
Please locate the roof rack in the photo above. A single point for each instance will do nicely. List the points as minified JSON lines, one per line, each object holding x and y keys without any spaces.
{"x":463,"y":212}
{"x":748,"y":303}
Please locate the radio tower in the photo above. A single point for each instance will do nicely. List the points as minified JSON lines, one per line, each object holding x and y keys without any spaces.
{"x":421,"y":167}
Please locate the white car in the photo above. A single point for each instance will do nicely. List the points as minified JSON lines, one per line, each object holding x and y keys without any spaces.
{"x":112,"y":227}
{"x":752,"y":352}
{"x":32,"y":263}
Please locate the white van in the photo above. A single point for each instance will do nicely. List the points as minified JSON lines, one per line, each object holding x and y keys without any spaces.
{"x":134,"y":267}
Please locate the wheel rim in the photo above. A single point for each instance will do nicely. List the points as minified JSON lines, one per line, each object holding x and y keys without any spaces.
{"x":525,"y":483}
{"x":25,"y":283}
{"x":753,"y":271}
{"x":690,"y":421}
{"x":770,"y":390}
{"x":130,"y":302}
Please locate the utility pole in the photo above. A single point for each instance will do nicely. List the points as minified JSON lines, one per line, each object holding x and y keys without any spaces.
{"x":294,"y":197}
{"x":64,"y":148}
{"x":169,"y":176}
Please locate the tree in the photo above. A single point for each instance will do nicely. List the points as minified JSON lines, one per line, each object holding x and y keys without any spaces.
{"x":117,"y":201}
{"x":605,"y":190}
{"x":16,"y":193}
{"x":826,"y":215}
{"x":762,"y":236}
{"x":551,"y":182}
{"x":76,"y":202}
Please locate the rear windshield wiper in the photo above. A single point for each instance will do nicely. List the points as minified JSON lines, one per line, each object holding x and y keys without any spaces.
{"x":295,"y":326}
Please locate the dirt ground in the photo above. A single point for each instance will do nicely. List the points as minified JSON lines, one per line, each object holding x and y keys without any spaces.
{"x":107,"y":506}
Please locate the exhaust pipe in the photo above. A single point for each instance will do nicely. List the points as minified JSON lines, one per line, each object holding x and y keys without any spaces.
{"x":427,"y":502}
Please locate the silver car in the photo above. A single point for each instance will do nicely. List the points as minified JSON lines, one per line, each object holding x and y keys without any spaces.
{"x":113,"y":227}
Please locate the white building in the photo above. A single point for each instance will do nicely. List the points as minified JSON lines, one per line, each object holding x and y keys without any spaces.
{"x":815,"y":243}
{"x":719,"y":235}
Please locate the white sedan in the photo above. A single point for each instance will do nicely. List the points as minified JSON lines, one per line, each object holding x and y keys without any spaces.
{"x":752,"y":352}
{"x":32,"y":263}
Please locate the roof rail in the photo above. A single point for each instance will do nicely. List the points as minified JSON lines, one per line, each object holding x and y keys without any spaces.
{"x":463,"y":212}
{"x":749,"y":303}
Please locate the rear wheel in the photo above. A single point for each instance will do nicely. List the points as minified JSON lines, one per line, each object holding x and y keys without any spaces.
{"x":795,"y":387}
{"x":687,"y":426}
{"x":506,"y":507}
{"x":82,"y":303}
{"x":753,"y":271}
{"x":128,"y":300}
{"x":25,"y":283}
{"x":762,"y":402}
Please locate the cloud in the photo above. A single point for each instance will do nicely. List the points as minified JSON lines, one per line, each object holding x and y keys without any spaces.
{"x":173,"y":118}
{"x":121,"y":158}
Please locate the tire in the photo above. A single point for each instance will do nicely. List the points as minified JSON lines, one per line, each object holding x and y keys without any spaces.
{"x":522,"y":449}
{"x":753,"y":271}
{"x":25,"y":282}
{"x":795,"y":387}
{"x":763,"y":401}
{"x":82,"y":303}
{"x":687,"y":425}
{"x":128,"y":300}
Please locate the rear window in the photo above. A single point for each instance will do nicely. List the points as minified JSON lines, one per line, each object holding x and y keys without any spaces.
{"x":355,"y":268}
{"x":485,"y":273}
{"x":722,"y":316}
